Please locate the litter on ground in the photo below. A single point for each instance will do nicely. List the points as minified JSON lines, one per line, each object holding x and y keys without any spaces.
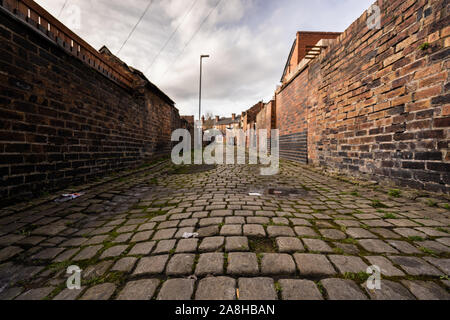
{"x":187,"y":235}
{"x":68,"y":196}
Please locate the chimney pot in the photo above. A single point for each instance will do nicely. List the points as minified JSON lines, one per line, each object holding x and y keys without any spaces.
{"x":233,"y":116}
{"x":217,"y":118}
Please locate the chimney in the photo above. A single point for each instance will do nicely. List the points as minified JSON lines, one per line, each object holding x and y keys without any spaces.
{"x":233,"y":116}
{"x":217,"y":118}
{"x":203,"y":119}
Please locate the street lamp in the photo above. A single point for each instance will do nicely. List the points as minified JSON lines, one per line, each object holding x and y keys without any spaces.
{"x":200,"y":89}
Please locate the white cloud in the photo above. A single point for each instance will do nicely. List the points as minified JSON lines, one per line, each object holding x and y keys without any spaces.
{"x":248,"y":40}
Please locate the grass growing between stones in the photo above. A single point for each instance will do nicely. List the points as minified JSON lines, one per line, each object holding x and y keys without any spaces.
{"x":378,"y":204}
{"x":442,"y":229}
{"x":431,"y":203}
{"x":355,"y":193}
{"x":416,"y":238}
{"x":359,"y":276}
{"x":154,"y":214}
{"x":349,"y":241}
{"x":428,"y":251}
{"x":278,"y":287}
{"x":395,"y":193}
{"x":389,"y":216}
{"x":110,"y":277}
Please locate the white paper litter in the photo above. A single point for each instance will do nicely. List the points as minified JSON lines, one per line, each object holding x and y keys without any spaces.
{"x":187,"y":235}
{"x":255,"y":194}
{"x":68,"y":196}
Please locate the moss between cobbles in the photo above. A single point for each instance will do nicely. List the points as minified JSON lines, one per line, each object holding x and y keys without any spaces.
{"x":415,"y":238}
{"x":442,"y":229}
{"x":428,"y":251}
{"x":278,"y":287}
{"x":390,"y":216}
{"x":112,"y":277}
{"x":259,"y":257}
{"x":378,"y":204}
{"x":57,"y":266}
{"x":395,"y":193}
{"x":349,"y":241}
{"x":154,"y":214}
{"x":225,"y":261}
{"x":338,"y":250}
{"x":431,"y":203}
{"x":26,"y":231}
{"x":321,"y":288}
{"x":359,"y":277}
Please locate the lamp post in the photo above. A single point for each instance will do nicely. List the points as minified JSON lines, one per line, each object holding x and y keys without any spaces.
{"x":200,"y":89}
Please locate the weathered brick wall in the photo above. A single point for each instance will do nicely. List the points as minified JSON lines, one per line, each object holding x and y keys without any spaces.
{"x":62,"y":122}
{"x":292,"y":103}
{"x":375,"y":103}
{"x":266,"y":120}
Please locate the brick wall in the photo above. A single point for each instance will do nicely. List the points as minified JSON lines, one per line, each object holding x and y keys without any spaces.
{"x":374,"y":102}
{"x":293,"y":101}
{"x":265,"y":119}
{"x":62,"y":122}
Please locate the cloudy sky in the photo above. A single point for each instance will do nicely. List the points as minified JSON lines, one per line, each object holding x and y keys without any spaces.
{"x":248,"y":40}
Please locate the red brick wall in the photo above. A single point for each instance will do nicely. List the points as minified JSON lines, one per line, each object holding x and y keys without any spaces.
{"x":62,"y":122}
{"x":265,"y":119}
{"x":375,"y":103}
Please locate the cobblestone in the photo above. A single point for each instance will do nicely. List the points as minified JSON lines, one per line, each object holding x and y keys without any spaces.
{"x":143,"y":248}
{"x":342,"y":289}
{"x":216,"y":288}
{"x":257,"y":289}
{"x":267,"y":247}
{"x":348,"y":263}
{"x":276,"y":231}
{"x":236,"y":244}
{"x":211,"y":244}
{"x":151,"y":265}
{"x":254,"y":230}
{"x":102,"y":291}
{"x":35,"y":294}
{"x":177,"y":289}
{"x":124,"y":264}
{"x":416,"y":266}
{"x":164,"y":246}
{"x":299,"y":290}
{"x":180,"y":264}
{"x":244,"y":263}
{"x":289,"y":244}
{"x":313,"y":264}
{"x":277,"y":263}
{"x":426,"y":290}
{"x":210,"y":263}
{"x":390,"y":291}
{"x":317,"y":245}
{"x":139,"y":290}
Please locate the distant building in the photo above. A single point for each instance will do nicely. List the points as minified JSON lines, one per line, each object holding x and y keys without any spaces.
{"x":305,"y":46}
